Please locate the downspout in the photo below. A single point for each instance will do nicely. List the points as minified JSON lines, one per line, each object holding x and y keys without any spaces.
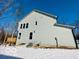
{"x":75,"y":38}
{"x":56,"y":42}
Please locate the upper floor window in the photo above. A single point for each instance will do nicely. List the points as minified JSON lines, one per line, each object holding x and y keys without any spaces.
{"x":36,"y":23}
{"x":21,"y":26}
{"x":27,"y":25}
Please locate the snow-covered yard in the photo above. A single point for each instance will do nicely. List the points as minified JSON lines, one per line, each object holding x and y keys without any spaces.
{"x":32,"y":53}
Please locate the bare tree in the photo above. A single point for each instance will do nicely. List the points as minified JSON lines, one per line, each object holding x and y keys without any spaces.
{"x":17,"y":13}
{"x":2,"y":35}
{"x":5,"y":6}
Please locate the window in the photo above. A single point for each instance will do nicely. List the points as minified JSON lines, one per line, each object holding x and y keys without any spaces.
{"x":31,"y":34}
{"x":19,"y":36}
{"x":77,"y":41}
{"x":36,"y":23}
{"x":34,"y":31}
{"x":27,"y":25}
{"x":21,"y":26}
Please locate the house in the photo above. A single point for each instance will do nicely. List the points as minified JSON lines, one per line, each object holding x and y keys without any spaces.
{"x":41,"y":28}
{"x":11,"y":40}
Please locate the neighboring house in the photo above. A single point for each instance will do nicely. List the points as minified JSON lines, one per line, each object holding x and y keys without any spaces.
{"x":11,"y":40}
{"x":42,"y":28}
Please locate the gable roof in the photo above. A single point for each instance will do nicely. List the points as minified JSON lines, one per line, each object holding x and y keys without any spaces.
{"x":46,"y":14}
{"x":55,"y":17}
{"x":65,"y":26}
{"x":40,"y":12}
{"x":52,"y":16}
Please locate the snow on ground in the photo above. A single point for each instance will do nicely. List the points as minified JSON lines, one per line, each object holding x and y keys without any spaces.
{"x":34,"y":53}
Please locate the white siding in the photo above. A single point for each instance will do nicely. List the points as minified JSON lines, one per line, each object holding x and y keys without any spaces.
{"x":64,"y":36}
{"x":45,"y":31}
{"x":44,"y":24}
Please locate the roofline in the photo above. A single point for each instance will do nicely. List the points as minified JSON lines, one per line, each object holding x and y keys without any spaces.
{"x":41,"y":12}
{"x":25,"y":16}
{"x":45,"y":13}
{"x":65,"y":26}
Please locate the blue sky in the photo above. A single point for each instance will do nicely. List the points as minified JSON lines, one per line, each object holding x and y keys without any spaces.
{"x":66,"y":10}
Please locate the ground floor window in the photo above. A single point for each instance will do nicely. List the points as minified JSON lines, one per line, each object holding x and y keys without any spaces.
{"x":77,"y":41}
{"x":19,"y":36}
{"x":31,"y":35}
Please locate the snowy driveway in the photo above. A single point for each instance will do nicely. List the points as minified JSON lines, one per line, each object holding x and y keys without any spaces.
{"x":32,"y":53}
